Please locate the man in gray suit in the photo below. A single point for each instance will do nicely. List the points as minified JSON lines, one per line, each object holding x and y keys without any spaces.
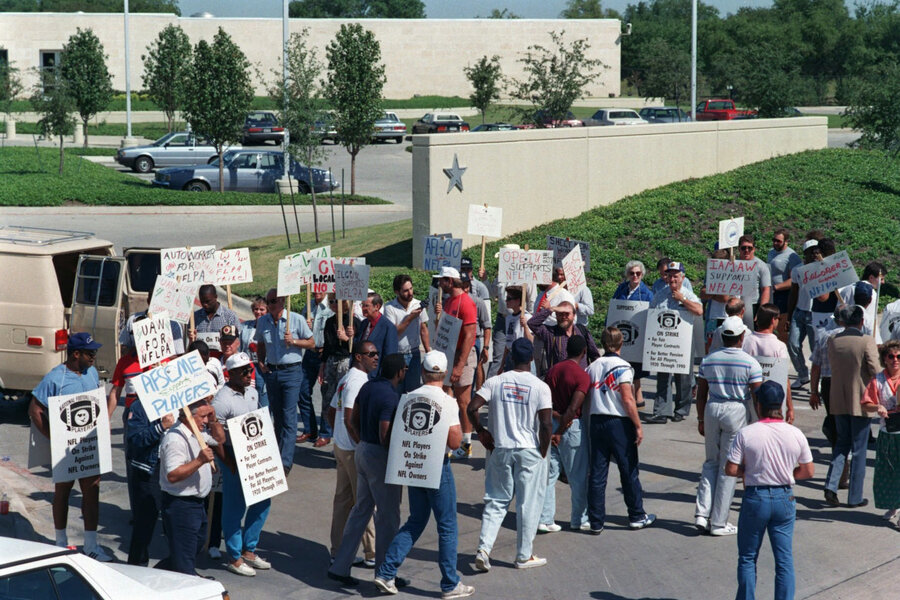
{"x":854,"y":362}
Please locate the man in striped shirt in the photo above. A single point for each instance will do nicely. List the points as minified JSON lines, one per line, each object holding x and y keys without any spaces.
{"x":723,"y":380}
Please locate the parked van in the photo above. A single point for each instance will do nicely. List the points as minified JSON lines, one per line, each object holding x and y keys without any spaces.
{"x":56,"y":281}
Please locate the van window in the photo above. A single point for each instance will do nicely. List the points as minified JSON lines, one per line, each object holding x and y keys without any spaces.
{"x":65,"y":266}
{"x":142,"y":271}
{"x":98,"y":282}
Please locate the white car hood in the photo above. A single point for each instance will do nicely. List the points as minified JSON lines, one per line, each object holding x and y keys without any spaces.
{"x":129,"y":581}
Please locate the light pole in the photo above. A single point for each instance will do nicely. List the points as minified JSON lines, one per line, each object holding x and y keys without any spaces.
{"x":129,"y":140}
{"x":285,"y":38}
{"x":694,"y":61}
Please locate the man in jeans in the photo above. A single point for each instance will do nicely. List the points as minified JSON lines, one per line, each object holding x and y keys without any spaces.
{"x":723,"y":380}
{"x":517,"y":402}
{"x":800,"y":313}
{"x":423,"y":501}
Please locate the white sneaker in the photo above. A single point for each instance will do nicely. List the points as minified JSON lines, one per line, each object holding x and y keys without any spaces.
{"x":890,"y":514}
{"x":482,"y":561}
{"x":241,"y":569}
{"x":463,"y":452}
{"x":257,"y":563}
{"x":460,"y":591}
{"x":585,"y":527}
{"x":531,"y":563}
{"x":646,"y":521}
{"x":702,"y":524}
{"x":548,"y":528}
{"x":386,"y":586}
{"x":98,"y":554}
{"x":214,"y":553}
{"x":729,"y":529}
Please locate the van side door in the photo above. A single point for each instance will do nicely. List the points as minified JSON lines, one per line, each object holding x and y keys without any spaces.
{"x":97,"y":306}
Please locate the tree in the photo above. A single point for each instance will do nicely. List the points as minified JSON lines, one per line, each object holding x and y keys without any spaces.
{"x":768,"y":77}
{"x":90,"y":6}
{"x":496,"y":13}
{"x":301,"y":102}
{"x":874,"y":110}
{"x":356,"y":9}
{"x":667,"y":71}
{"x":555,"y":78}
{"x":218,"y":93}
{"x":87,"y":79}
{"x":52,"y":101}
{"x":587,"y":9}
{"x":10,"y":86}
{"x":166,"y":67}
{"x":485,"y":78}
{"x":353,"y":87}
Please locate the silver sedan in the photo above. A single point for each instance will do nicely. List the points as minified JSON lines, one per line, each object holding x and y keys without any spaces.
{"x":171,"y":150}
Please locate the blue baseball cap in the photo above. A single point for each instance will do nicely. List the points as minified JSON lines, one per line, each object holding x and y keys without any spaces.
{"x":675,"y":266}
{"x":770,"y":394}
{"x":82,"y":341}
{"x":522,"y":351}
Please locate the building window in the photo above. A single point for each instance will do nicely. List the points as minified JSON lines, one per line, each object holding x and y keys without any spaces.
{"x":49,"y":62}
{"x":4,"y":57}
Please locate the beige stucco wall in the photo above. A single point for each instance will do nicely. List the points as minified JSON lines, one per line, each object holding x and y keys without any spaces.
{"x":421,"y":56}
{"x":540,"y":175}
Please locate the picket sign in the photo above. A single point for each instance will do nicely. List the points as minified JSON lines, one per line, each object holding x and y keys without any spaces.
{"x":233,"y":267}
{"x":485,"y":221}
{"x":524,"y":267}
{"x":827,"y":275}
{"x":729,"y":277}
{"x":153,"y":339}
{"x":629,"y":317}
{"x":256,"y":453}
{"x":573,"y":267}
{"x":80,"y":443}
{"x":351,"y":282}
{"x":667,"y":341}
{"x":442,"y":252}
{"x":446,"y":336}
{"x":174,"y":298}
{"x":730,"y":231}
{"x":563,"y":246}
{"x":189,"y":265}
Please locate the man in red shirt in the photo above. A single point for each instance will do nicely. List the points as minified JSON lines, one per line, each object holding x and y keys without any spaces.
{"x":569,"y":385}
{"x":461,"y":306}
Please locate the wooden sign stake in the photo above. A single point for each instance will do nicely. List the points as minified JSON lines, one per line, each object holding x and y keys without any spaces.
{"x":308,"y":301}
{"x":228,"y":291}
{"x":287,"y":315}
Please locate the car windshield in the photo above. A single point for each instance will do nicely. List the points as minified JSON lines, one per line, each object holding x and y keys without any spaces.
{"x":161,"y":141}
{"x":226,"y":158}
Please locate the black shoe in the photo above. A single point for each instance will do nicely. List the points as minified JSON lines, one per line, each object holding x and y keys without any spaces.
{"x":676,"y":418}
{"x":401,"y":582}
{"x":831,"y":498}
{"x":596,"y":531}
{"x":657,"y":420}
{"x":345,"y":580}
{"x":865,"y":502}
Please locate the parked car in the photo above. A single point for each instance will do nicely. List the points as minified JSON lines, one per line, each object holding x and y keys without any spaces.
{"x":390,"y":127}
{"x":496,"y":127}
{"x":614,"y":116}
{"x":792,"y":111}
{"x":664,"y":114}
{"x":546,"y":121}
{"x":245,"y":171}
{"x":324,"y":127}
{"x":35,"y":571}
{"x":439,"y":123}
{"x":171,"y":150}
{"x":261,"y":127}
{"x":722,"y":110}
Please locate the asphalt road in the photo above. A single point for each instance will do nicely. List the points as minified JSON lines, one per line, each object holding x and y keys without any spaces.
{"x":839,"y":553}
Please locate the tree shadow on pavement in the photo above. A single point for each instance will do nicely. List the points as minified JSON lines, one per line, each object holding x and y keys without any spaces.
{"x":612,"y":596}
{"x":300,"y":558}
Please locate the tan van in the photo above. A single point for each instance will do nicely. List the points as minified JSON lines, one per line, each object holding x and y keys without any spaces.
{"x":55,"y":281}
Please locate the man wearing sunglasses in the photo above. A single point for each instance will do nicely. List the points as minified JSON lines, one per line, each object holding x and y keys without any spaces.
{"x":761,"y":283}
{"x":75,"y":375}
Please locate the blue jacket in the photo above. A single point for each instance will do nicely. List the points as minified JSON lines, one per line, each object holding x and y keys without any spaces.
{"x":384,"y":336}
{"x":141,"y":438}
{"x":642,"y":293}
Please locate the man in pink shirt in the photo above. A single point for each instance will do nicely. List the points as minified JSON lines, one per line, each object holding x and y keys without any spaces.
{"x":765,"y":343}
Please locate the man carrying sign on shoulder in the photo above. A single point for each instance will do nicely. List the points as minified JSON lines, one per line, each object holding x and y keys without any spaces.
{"x":280,"y":352}
{"x":423,"y":501}
{"x":75,"y":375}
{"x":236,"y":398}
{"x":212,"y":316}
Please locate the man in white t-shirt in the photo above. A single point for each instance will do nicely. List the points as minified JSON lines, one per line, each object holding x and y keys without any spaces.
{"x":515,"y":323}
{"x":365,"y":361}
{"x":424,"y":501}
{"x":770,"y":455}
{"x":761,"y":279}
{"x":411,"y":320}
{"x":615,"y":430}
{"x":862,"y":293}
{"x":520,"y":425}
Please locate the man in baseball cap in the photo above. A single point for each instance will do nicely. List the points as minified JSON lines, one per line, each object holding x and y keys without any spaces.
{"x":76,"y":375}
{"x":423,"y":501}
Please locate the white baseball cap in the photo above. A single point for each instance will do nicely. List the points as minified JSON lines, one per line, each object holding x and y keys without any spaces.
{"x":435,"y":362}
{"x":733,"y":326}
{"x":449,"y":272}
{"x":237,"y":360}
{"x":507,"y":247}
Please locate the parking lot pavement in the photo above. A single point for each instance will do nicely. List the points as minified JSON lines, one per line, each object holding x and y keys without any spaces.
{"x":833,"y":547}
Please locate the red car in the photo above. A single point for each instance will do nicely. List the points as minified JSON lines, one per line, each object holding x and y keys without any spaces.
{"x":548,"y":122}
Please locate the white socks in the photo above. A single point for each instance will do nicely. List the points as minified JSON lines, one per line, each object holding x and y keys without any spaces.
{"x":467,"y":438}
{"x":62,"y":540}
{"x":90,"y":540}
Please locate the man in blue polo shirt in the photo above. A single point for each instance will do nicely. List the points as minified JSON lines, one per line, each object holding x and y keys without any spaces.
{"x":75,"y":375}
{"x":280,"y":352}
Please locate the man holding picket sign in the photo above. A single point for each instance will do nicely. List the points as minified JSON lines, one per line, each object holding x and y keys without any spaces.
{"x":75,"y":375}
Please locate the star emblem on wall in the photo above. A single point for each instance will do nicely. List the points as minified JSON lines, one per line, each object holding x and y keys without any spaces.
{"x":454,"y":174}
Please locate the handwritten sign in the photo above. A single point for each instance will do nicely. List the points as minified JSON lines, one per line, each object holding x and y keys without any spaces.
{"x":445,"y":339}
{"x":351,"y":282}
{"x":519,"y":267}
{"x":258,"y":459}
{"x":562,"y":246}
{"x":667,"y":341}
{"x":233,"y":267}
{"x":196,"y":265}
{"x":629,"y":317}
{"x":169,"y":387}
{"x":822,"y":277}
{"x":485,"y":220}
{"x":173,"y":297}
{"x":573,"y":267}
{"x":774,"y":369}
{"x":890,"y":322}
{"x":323,"y":272}
{"x":730,"y":231}
{"x":442,"y":252}
{"x":212,"y":339}
{"x":418,"y":441}
{"x":732,"y":278}
{"x":79,"y":435}
{"x":307,"y":259}
{"x":153,"y":339}
{"x":290,"y":277}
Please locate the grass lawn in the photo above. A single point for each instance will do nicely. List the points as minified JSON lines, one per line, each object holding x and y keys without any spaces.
{"x":29,"y":177}
{"x":834,"y":121}
{"x":852,"y":195}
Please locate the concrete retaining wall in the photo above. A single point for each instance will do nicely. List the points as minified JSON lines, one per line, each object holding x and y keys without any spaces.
{"x":541,"y":175}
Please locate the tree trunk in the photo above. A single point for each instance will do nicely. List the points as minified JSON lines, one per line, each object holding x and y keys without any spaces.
{"x":84,"y":126}
{"x":62,"y":154}
{"x":221,"y":170}
{"x":353,"y":172}
{"x":312,"y":192}
{"x":170,"y":121}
